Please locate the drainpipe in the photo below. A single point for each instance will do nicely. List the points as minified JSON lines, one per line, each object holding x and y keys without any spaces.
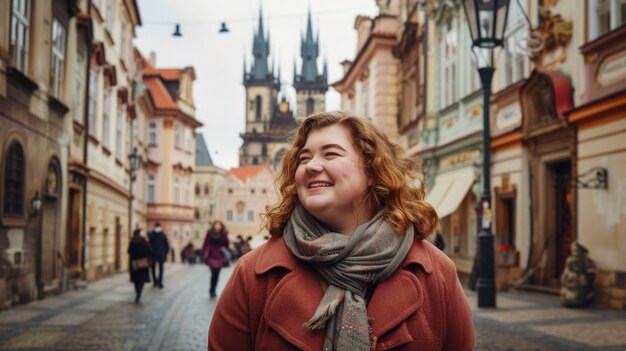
{"x":88,"y":40}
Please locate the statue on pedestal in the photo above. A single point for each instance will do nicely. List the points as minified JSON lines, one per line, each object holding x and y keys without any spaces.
{"x":578,"y":278}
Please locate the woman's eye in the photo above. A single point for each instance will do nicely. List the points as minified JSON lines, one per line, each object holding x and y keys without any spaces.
{"x":331,"y":154}
{"x":303,"y":159}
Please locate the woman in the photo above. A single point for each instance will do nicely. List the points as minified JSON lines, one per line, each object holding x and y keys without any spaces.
{"x":140,"y":253}
{"x":347,"y":266}
{"x":213,"y":252}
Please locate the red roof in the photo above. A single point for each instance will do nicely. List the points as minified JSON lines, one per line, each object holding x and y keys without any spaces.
{"x":162,"y":99}
{"x":249,"y":171}
{"x":169,"y":73}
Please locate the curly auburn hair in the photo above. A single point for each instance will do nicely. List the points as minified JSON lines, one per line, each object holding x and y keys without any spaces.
{"x":396,"y":184}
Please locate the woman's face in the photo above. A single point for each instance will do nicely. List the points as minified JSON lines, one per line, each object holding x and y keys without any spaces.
{"x":330,"y":179}
{"x":217,"y":227}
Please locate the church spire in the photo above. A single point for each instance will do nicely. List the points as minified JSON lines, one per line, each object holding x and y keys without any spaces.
{"x":261,"y":52}
{"x":309,"y":50}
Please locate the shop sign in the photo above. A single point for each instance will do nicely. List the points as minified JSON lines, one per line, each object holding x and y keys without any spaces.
{"x":509,"y":116}
{"x":613,"y":69}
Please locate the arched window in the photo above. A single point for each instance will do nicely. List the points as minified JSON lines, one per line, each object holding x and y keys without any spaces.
{"x":206,"y":189}
{"x":14,"y":181}
{"x":259,"y":106}
{"x":197,"y":189}
{"x":310,"y":106}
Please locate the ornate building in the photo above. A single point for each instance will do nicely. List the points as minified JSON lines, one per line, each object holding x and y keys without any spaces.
{"x":169,"y":114}
{"x":43,"y":74}
{"x":208,"y":178}
{"x":269,"y":116}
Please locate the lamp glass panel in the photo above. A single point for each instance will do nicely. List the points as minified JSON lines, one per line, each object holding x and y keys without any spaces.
{"x":470,"y":15}
{"x":501,"y":14}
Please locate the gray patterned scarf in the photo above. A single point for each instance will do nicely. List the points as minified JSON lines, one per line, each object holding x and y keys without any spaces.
{"x":349,"y":263}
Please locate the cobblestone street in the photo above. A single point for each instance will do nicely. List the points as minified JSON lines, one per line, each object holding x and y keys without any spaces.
{"x":104,"y":317}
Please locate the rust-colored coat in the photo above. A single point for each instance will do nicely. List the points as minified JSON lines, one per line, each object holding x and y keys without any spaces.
{"x":271,"y":294}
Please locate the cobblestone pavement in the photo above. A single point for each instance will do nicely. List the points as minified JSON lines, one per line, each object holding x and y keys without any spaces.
{"x":534,"y":321}
{"x":104,"y":317}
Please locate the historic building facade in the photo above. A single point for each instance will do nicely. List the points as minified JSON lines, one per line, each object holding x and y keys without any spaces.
{"x":242,"y":198}
{"x":269,"y":115}
{"x":170,"y":147}
{"x":109,"y":121}
{"x":557,"y":127}
{"x":46,"y":46}
{"x":369,"y":86}
{"x":208,"y":178}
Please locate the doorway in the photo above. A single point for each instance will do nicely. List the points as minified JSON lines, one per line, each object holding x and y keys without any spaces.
{"x":73,"y":243}
{"x":561,"y":206}
{"x":118,"y":244}
{"x":49,"y":241}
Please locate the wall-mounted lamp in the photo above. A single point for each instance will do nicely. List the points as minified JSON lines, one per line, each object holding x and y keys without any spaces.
{"x":134,"y":161}
{"x":35,"y":206}
{"x":177,"y":32}
{"x":595,"y":178}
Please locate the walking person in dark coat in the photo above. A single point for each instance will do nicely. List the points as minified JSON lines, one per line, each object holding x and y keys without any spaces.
{"x":160,"y":248}
{"x":214,"y":250}
{"x":139,"y":250}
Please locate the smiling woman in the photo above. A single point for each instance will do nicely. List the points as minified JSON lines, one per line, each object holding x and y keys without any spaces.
{"x":347,"y":267}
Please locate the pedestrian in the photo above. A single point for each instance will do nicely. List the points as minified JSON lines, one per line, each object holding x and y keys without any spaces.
{"x":214,"y":252}
{"x":439,"y":243}
{"x":347,"y":266}
{"x":189,"y":253}
{"x":160,"y":248}
{"x":139,"y":253}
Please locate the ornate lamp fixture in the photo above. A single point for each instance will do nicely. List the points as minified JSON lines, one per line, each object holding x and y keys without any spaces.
{"x":487,"y":22}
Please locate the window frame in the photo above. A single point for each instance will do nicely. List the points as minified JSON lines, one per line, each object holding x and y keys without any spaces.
{"x":152,"y":133}
{"x":92,"y":115}
{"x":151,"y":189}
{"x":119,"y":132}
{"x":78,"y":86}
{"x":517,"y":28}
{"x":14,"y":182}
{"x":593,"y":31}
{"x":20,"y":34}
{"x":106,"y":112}
{"x":176,"y":190}
{"x":448,"y":69}
{"x":58,"y":44}
{"x":108,"y":19}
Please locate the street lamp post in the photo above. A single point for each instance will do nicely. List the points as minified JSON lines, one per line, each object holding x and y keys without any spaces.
{"x":134,"y":161}
{"x":487,"y":21}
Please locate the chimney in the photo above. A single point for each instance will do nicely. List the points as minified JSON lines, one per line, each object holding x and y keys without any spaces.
{"x":153,"y":58}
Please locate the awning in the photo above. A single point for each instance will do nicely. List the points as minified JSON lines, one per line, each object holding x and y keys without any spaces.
{"x":450,"y":189}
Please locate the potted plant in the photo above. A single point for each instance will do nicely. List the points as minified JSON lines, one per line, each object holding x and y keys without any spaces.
{"x":507,"y":255}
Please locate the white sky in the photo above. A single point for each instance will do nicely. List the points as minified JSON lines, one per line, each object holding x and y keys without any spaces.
{"x":218,"y":58}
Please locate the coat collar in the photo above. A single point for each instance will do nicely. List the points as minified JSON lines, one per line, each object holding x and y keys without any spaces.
{"x":295,"y":298}
{"x":275,"y":254}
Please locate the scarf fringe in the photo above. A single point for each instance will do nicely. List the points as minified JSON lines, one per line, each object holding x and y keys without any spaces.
{"x":324,"y":312}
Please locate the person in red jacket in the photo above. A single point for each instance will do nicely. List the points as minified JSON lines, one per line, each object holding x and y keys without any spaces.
{"x":215,"y":252}
{"x":347,"y":266}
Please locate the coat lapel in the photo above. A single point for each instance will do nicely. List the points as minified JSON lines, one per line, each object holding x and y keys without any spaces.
{"x":399,"y":297}
{"x":294,"y":299}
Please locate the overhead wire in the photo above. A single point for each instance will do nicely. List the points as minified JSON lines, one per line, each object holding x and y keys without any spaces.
{"x":247,"y":19}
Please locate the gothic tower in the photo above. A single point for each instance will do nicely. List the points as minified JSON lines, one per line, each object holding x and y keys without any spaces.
{"x":310,"y":86}
{"x":268,"y":121}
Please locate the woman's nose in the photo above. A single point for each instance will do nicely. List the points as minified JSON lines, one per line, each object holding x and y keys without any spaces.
{"x":314,"y":165}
